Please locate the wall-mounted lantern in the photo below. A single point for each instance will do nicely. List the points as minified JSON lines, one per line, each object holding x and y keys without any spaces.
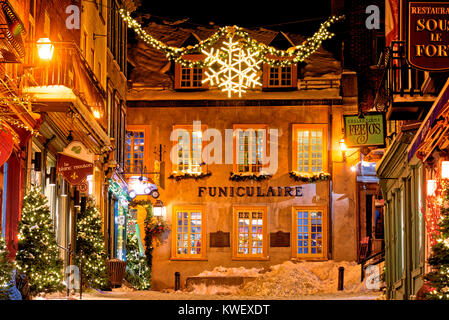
{"x":45,"y":49}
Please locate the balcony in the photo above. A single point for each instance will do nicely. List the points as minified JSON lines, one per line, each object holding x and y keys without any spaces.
{"x":404,"y":93}
{"x":66,"y":84}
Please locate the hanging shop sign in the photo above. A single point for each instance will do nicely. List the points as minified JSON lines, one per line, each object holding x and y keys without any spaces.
{"x":368,"y":130}
{"x":428,"y":35}
{"x":6,"y":145}
{"x":250,"y":192}
{"x":75,"y":163}
{"x":74,"y":170}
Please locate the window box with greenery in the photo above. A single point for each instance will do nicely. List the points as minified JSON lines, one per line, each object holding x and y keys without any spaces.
{"x":187,"y":157}
{"x":250,"y":149}
{"x":309,"y":151}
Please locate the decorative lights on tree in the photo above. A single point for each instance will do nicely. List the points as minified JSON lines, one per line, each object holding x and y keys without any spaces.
{"x":237,"y":71}
{"x":6,"y":268}
{"x":38,"y":254}
{"x":90,"y":249}
{"x":138,"y":273}
{"x":438,"y":278}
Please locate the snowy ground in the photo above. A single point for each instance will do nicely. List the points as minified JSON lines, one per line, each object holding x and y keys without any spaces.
{"x":286,"y":281}
{"x":156,"y":295}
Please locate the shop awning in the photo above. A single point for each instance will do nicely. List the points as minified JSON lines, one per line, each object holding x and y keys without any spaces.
{"x":426,"y":125}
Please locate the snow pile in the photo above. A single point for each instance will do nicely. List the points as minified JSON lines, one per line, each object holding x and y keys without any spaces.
{"x":204,"y":289}
{"x":305,"y":278}
{"x":231,"y":272}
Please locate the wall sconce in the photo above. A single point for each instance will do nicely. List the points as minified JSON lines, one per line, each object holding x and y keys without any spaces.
{"x":45,"y":49}
{"x":343,"y":148}
{"x":76,"y":199}
{"x":445,"y":169}
{"x":158,"y":209}
{"x":431,"y":187}
{"x":37,"y":161}
{"x":52,"y":177}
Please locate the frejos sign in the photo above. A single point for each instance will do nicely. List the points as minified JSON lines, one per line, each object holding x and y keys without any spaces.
{"x":365,"y":131}
{"x":428,"y":35}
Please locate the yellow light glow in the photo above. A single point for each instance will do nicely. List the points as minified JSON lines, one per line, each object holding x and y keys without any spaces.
{"x":445,"y":170}
{"x":45,"y":49}
{"x":97,"y":114}
{"x":343,"y":146}
{"x":431,"y":187}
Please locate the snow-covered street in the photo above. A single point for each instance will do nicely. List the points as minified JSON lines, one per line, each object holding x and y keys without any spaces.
{"x":156,"y":295}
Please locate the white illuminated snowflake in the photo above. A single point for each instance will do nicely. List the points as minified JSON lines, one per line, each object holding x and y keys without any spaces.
{"x":238,"y":69}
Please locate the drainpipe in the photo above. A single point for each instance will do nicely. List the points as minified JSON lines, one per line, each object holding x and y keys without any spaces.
{"x":330,"y":204}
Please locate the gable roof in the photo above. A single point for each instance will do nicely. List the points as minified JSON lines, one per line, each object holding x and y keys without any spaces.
{"x":151,"y":67}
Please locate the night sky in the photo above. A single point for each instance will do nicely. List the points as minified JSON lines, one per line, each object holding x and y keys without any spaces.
{"x":250,"y":14}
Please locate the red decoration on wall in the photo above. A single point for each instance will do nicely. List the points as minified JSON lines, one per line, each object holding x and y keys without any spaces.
{"x":6,"y":145}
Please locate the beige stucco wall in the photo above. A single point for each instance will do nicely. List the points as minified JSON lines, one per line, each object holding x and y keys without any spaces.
{"x":219,"y":210}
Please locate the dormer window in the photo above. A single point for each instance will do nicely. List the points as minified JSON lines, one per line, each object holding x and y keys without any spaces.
{"x":190,"y":78}
{"x":282,"y":77}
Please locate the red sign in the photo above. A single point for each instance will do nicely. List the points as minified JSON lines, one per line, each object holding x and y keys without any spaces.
{"x":6,"y":145}
{"x":428,"y":35}
{"x":74,"y":170}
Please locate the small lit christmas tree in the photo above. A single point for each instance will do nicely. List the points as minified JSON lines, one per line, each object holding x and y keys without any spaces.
{"x":138,"y":273}
{"x":90,"y":248}
{"x":438,"y":279}
{"x":38,"y":253}
{"x":6,"y":268}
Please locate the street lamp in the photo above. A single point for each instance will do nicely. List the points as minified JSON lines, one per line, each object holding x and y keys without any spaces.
{"x":158,"y":209}
{"x":45,"y":49}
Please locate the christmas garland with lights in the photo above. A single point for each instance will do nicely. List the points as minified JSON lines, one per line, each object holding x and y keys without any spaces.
{"x":309,"y":177}
{"x":245,"y":177}
{"x":294,"y":54}
{"x":186,"y":175}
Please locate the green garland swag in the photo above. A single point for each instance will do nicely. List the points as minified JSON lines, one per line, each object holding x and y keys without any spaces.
{"x":245,"y":177}
{"x":183,"y":176}
{"x":297,"y":53}
{"x":310,"y":177}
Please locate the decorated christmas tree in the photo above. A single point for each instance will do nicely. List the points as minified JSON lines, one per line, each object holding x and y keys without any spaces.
{"x":138,"y":273}
{"x":438,"y":278}
{"x":90,"y":249}
{"x":6,"y":268}
{"x":38,"y":253}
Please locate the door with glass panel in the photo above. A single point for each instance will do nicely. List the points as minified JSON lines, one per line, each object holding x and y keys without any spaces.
{"x":250,"y":233}
{"x":309,"y":236}
{"x":188,"y":233}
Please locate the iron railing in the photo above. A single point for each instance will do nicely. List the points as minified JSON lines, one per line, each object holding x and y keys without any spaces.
{"x":398,"y":78}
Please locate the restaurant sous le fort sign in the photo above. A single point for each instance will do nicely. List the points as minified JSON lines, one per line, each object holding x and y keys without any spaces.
{"x":428,"y":35}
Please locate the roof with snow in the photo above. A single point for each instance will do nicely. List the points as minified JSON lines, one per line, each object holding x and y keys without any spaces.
{"x":151,"y":69}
